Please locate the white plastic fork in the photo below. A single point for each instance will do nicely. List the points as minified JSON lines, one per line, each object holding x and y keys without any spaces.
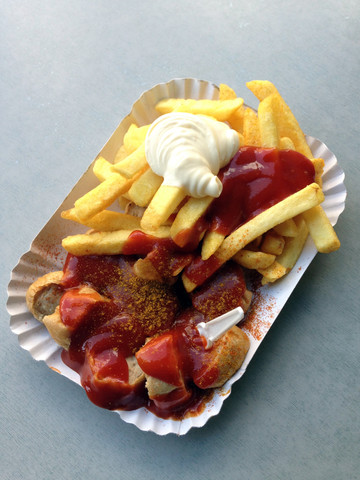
{"x":216,"y":328}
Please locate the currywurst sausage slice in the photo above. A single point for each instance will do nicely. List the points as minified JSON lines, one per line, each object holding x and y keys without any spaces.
{"x":43,"y":296}
{"x":225,"y":357}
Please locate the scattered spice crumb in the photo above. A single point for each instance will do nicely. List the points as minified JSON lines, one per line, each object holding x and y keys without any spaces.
{"x":257,"y":321}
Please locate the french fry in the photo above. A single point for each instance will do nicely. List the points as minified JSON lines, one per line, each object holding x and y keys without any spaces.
{"x":280,"y":231}
{"x":255,"y":244}
{"x":144,"y":188}
{"x":261,"y":88}
{"x":319,"y":169}
{"x":105,"y":221}
{"x":134,"y":137}
{"x":104,"y":243}
{"x":272,"y":273}
{"x":253,"y":260}
{"x":294,"y":245}
{"x":133,"y":163}
{"x":226,"y":92}
{"x":121,"y":154}
{"x":273,"y":243}
{"x":288,"y":128}
{"x":321,"y":230}
{"x":188,"y":284}
{"x":287,"y":228}
{"x":287,"y":124}
{"x":143,"y":268}
{"x":241,"y":138}
{"x":291,"y":206}
{"x":236,"y":119}
{"x":102,"y":169}
{"x":211,"y":243}
{"x":251,"y":130}
{"x":286,"y":144}
{"x":102,"y":196}
{"x":98,"y":243}
{"x":221,"y":110}
{"x":163,"y":204}
{"x":186,"y":218}
{"x":269,"y":133}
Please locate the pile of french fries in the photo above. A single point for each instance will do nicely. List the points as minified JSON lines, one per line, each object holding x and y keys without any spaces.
{"x":269,"y":243}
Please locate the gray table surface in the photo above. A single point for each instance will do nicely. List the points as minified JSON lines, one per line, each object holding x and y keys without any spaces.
{"x":70,"y":70}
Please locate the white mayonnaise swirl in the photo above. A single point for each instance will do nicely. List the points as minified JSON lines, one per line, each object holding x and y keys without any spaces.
{"x":188,"y":151}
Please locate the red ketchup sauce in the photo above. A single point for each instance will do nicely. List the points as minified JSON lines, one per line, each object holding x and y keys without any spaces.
{"x":114,"y":326}
{"x":114,"y":322}
{"x":253,"y":181}
{"x":116,"y":314}
{"x":165,"y":255}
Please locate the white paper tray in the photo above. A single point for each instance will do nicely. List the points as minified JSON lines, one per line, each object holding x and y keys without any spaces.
{"x":46,"y":254}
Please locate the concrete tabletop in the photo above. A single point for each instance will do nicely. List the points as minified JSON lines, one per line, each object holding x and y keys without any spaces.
{"x":70,"y":71}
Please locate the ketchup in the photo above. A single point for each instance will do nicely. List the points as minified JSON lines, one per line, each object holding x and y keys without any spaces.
{"x":253,"y":181}
{"x":113,"y":324}
{"x":113,"y":317}
{"x":106,"y":330}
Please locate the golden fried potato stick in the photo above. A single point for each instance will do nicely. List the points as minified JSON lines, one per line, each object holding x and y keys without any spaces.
{"x":235,"y":120}
{"x":102,"y":196}
{"x":226,"y":92}
{"x":294,"y":245}
{"x":287,"y":124}
{"x":251,"y":129}
{"x":273,"y":243}
{"x":261,"y":88}
{"x":104,"y":243}
{"x":221,"y":110}
{"x":211,"y":243}
{"x":291,"y":206}
{"x":319,"y":169}
{"x":121,"y":154}
{"x":287,"y":228}
{"x":163,"y":204}
{"x":134,"y":137}
{"x":143,"y":268}
{"x":102,"y":169}
{"x":144,"y":188}
{"x":253,"y":260}
{"x":321,"y":230}
{"x":133,"y":163}
{"x":286,"y":144}
{"x":105,"y":221}
{"x":187,"y":217}
{"x":269,"y":132}
{"x":288,"y":128}
{"x":272,"y":273}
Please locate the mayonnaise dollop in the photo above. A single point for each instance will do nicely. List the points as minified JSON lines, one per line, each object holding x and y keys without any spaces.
{"x":188,"y":151}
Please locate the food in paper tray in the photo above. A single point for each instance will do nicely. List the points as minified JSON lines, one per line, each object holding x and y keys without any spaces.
{"x":214,"y":194}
